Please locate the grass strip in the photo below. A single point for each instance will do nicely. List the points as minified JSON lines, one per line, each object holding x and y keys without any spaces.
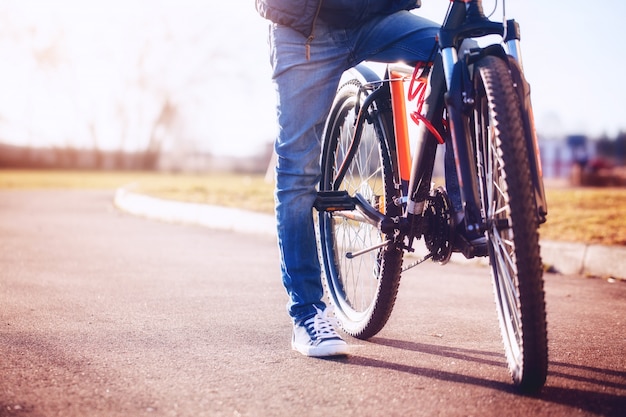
{"x":587,"y":215}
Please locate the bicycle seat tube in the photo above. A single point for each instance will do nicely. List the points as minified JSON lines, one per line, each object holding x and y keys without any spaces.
{"x":426,"y":142}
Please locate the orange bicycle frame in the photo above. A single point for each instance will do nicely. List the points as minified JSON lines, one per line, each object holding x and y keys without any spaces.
{"x":416,"y":93}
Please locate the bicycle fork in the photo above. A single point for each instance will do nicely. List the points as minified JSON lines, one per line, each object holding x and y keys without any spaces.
{"x":459,"y":100}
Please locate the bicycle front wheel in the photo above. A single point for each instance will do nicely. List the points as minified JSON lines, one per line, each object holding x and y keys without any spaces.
{"x":509,"y":210}
{"x":362,"y":287}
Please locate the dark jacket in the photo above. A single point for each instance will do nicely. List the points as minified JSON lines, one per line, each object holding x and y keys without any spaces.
{"x":301,"y":15}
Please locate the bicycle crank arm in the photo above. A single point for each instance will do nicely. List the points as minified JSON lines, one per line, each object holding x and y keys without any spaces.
{"x":354,"y":215}
{"x":352,"y":255}
{"x":342,"y":203}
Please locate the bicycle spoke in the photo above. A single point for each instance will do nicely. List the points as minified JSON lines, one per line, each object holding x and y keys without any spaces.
{"x":363,"y":288}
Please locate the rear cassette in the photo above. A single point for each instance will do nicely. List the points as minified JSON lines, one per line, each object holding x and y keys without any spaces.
{"x":439,"y":235}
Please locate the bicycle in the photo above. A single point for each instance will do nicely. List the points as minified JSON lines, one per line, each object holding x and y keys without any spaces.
{"x":375,"y":199}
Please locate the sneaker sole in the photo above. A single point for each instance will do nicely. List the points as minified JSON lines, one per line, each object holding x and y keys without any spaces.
{"x":322,"y":351}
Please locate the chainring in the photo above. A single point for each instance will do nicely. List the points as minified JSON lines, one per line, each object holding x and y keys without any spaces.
{"x":439,"y":235}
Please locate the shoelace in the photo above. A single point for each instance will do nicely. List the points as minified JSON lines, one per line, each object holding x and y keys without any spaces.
{"x":320,"y":326}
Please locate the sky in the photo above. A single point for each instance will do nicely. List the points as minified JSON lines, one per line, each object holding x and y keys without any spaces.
{"x":89,"y":73}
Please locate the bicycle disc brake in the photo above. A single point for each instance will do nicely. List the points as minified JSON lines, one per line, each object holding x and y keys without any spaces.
{"x":439,"y":235}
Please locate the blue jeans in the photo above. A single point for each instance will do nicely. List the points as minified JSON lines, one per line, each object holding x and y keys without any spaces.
{"x":306,"y":88}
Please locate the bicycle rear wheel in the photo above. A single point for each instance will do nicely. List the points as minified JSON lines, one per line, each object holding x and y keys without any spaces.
{"x":509,"y":209}
{"x":362,"y":288}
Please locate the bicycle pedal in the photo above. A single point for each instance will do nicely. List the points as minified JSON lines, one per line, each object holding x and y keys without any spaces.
{"x":334,"y":201}
{"x":477,"y":248}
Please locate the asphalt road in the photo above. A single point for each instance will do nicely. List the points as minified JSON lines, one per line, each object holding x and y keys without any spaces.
{"x":105,"y":314}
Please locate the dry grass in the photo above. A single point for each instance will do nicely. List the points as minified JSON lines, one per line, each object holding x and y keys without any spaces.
{"x":589,"y":215}
{"x":245,"y":191}
{"x":242,"y":191}
{"x":29,"y":179}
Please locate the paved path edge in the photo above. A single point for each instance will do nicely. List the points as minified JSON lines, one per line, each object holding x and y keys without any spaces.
{"x":563,"y":257}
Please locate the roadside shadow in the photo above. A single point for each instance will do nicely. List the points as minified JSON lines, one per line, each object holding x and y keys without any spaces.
{"x":471,"y":355}
{"x":480,"y":357}
{"x":599,"y":384}
{"x":588,"y":374}
{"x":430,"y":373}
{"x":592,"y":389}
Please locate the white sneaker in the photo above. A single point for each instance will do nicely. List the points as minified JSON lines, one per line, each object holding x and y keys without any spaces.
{"x":317,"y":336}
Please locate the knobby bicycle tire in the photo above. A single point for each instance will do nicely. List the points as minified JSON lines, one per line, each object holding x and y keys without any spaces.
{"x":508,"y":206}
{"x":363,"y":289}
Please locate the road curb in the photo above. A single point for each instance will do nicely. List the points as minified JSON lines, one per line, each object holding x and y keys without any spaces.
{"x":579,"y":258}
{"x":223,"y":218}
{"x":562,"y":257}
